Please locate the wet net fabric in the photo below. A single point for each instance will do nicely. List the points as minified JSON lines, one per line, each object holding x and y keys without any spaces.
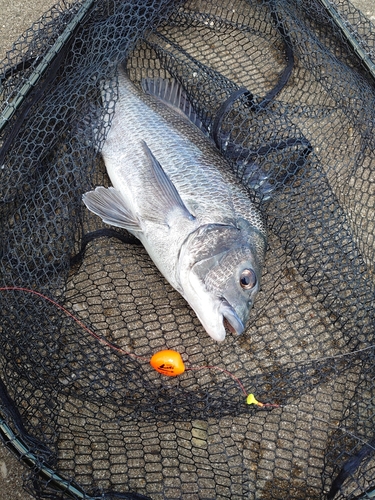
{"x":286,"y":91}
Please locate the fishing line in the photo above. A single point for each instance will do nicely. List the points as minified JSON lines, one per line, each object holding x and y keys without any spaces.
{"x":250,"y":398}
{"x":74,"y":318}
{"x":21,"y":445}
{"x":223,"y":370}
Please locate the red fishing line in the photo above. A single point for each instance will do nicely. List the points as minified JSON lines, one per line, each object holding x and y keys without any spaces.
{"x":195,"y":368}
{"x":74,"y":318}
{"x":250,"y":397}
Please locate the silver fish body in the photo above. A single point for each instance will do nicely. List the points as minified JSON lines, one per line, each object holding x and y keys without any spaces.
{"x":174,"y":191}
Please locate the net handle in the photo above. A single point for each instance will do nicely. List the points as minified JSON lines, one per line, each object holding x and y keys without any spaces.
{"x":344,"y":27}
{"x":44,"y":64}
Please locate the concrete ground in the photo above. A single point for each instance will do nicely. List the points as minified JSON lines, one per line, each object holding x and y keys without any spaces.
{"x":15,"y":17}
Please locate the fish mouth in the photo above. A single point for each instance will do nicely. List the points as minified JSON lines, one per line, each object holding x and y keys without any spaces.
{"x":231,"y":320}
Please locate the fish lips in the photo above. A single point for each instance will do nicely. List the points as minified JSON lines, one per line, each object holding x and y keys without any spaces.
{"x":218,"y":308}
{"x":229,"y":312}
{"x":231,"y":319}
{"x":215,"y":313}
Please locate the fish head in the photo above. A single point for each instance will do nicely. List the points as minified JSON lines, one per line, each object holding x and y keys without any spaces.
{"x":220,"y":273}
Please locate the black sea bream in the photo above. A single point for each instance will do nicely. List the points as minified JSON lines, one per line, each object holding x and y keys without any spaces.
{"x":174,"y":191}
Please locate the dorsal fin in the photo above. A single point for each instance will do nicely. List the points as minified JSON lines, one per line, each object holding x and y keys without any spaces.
{"x":171,"y":92}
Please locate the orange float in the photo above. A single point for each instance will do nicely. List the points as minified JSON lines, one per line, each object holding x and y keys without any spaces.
{"x":168,"y":363}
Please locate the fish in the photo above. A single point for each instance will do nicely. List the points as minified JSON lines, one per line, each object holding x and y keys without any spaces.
{"x":174,"y":191}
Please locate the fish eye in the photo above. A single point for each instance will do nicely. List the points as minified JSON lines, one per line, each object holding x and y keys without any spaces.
{"x":248,"y":279}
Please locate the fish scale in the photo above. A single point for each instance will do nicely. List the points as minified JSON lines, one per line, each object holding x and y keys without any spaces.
{"x":188,"y":161}
{"x":175,"y":192}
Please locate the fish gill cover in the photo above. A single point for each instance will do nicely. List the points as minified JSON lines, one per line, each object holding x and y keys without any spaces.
{"x":285,"y":89}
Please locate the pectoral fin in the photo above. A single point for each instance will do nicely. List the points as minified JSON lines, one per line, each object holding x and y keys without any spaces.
{"x":111,"y":208}
{"x":165,"y":198}
{"x":162,"y":202}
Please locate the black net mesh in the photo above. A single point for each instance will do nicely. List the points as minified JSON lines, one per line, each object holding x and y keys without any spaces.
{"x":286,"y":89}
